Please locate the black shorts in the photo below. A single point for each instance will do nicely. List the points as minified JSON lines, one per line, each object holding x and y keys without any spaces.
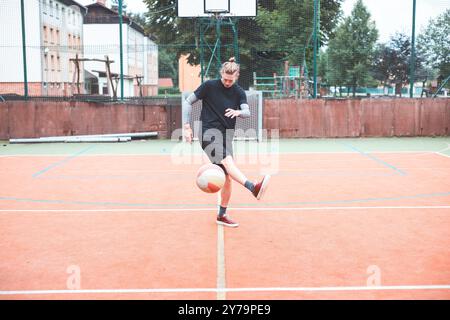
{"x":217,"y":144}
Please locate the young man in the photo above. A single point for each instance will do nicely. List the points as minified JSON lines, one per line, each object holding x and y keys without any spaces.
{"x":223,"y":100}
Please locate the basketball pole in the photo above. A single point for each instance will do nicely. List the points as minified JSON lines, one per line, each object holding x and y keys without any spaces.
{"x":219,"y":44}
{"x":215,"y":24}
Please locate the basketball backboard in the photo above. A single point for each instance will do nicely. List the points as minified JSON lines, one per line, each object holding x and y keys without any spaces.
{"x":205,"y":8}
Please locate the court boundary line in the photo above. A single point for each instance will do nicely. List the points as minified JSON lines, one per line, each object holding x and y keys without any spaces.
{"x":286,"y":203}
{"x":221,"y":278}
{"x":442,"y":154}
{"x":209,"y":209}
{"x":218,"y":290}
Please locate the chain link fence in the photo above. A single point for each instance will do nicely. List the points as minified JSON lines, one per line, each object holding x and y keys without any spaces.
{"x":302,"y":49}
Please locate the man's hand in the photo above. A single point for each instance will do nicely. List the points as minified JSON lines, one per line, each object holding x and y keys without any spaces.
{"x":231,"y":113}
{"x":187,"y":132}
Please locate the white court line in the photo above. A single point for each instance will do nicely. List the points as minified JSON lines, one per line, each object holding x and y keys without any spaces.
{"x":217,"y":290}
{"x":230,"y":208}
{"x":442,"y":154}
{"x":221,"y":279}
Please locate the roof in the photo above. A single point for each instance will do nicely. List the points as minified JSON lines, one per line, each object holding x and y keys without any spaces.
{"x":74,"y":3}
{"x":165,"y":82}
{"x":102,"y":74}
{"x":100,"y":14}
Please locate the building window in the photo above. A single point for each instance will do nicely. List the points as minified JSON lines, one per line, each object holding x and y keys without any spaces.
{"x":57,"y":11}
{"x":51,"y":8}
{"x":57,"y":37}
{"x":58,"y":63}
{"x":51,"y":36}
{"x":45,"y":34}
{"x":46,"y":62}
{"x":52,"y":62}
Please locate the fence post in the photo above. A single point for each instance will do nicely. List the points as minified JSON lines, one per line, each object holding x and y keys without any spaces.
{"x":412,"y":66}
{"x":315,"y":44}
{"x":24,"y":50}
{"x":121,"y":49}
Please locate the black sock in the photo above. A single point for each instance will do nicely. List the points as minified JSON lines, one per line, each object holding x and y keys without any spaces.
{"x":249,"y":185}
{"x":222,"y":211}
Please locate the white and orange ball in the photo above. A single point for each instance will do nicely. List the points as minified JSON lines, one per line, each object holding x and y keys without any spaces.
{"x":210,"y":178}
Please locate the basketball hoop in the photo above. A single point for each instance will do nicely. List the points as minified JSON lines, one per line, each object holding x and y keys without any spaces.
{"x":217,"y":14}
{"x":216,"y":8}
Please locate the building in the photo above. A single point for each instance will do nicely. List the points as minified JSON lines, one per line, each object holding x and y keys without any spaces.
{"x":54,"y":35}
{"x":101,"y":41}
{"x":189,"y":75}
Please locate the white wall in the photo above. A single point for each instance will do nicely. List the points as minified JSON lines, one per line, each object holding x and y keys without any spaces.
{"x":101,"y":40}
{"x":11,"y":62}
{"x":151,"y":62}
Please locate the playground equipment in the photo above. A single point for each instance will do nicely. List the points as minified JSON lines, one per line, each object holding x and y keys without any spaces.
{"x":293,"y":84}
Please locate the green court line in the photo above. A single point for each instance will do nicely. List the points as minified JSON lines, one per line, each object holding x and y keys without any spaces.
{"x":59,"y":163}
{"x":384,"y":163}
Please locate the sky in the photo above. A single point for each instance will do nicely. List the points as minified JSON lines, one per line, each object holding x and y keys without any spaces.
{"x":390,"y":16}
{"x":135,"y":6}
{"x":396,"y":15}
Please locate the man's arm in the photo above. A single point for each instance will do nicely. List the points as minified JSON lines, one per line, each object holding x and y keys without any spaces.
{"x":186,"y":116}
{"x":245,"y":111}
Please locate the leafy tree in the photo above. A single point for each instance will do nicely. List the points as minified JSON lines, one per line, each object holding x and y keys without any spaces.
{"x":434,"y":44}
{"x":168,"y":65}
{"x":351,"y":51}
{"x":288,"y":27}
{"x":279,"y":33}
{"x":115,"y":5}
{"x":393,"y":60}
{"x":139,"y":18}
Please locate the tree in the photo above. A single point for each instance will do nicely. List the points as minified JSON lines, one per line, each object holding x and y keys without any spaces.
{"x":434,"y":43}
{"x":279,"y":33}
{"x":351,"y":51}
{"x":115,"y":5}
{"x":168,"y":65}
{"x":288,"y":26}
{"x":393,"y":62}
{"x":138,"y":18}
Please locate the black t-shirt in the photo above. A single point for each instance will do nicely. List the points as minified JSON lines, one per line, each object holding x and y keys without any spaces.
{"x":216,"y":99}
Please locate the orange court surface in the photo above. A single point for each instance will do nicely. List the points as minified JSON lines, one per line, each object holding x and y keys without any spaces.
{"x":341,"y":219}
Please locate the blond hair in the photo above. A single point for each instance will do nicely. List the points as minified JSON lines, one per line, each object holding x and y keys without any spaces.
{"x":230,"y":67}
